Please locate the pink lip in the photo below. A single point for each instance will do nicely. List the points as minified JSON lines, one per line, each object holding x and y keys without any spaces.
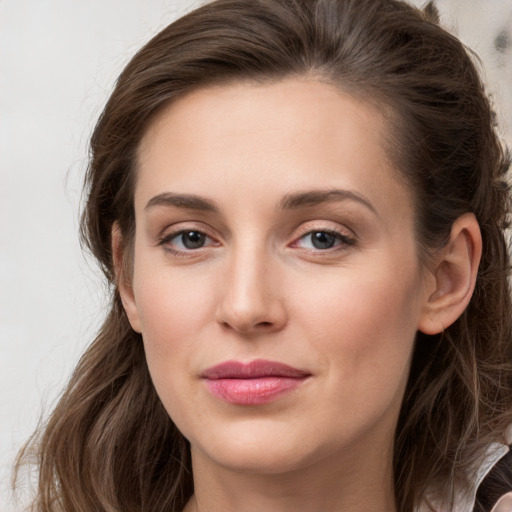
{"x":254,"y":383}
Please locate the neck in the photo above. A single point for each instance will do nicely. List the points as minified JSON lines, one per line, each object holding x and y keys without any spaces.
{"x":338,"y":482}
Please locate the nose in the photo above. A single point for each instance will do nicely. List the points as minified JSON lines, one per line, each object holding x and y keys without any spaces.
{"x":251,"y":299}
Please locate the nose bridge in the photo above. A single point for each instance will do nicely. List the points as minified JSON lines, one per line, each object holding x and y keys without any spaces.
{"x":250,"y":299}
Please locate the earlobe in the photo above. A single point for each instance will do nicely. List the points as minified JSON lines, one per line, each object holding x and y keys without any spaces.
{"x":454,"y":272}
{"x":123,"y":281}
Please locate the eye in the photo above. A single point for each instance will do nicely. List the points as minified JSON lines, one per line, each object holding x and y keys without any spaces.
{"x":323,"y":240}
{"x":187,"y":240}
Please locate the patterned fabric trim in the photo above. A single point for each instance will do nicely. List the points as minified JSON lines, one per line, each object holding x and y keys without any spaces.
{"x":497,"y":484}
{"x":497,"y":460}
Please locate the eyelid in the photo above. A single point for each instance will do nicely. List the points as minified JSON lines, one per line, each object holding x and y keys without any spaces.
{"x":179,"y":227}
{"x":311,"y":227}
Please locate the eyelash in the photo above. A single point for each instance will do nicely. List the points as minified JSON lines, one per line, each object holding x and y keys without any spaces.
{"x":344,"y":241}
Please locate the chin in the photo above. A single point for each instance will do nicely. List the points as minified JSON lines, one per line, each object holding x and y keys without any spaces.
{"x":259,"y":448}
{"x":255,"y":460}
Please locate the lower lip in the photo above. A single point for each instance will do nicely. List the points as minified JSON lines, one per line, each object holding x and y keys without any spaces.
{"x":256,"y":391}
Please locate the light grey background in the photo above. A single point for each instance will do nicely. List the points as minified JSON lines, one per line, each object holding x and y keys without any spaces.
{"x":58,"y":63}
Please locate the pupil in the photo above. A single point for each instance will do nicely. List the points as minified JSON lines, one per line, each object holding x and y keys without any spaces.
{"x":192,"y":239}
{"x":322,"y":240}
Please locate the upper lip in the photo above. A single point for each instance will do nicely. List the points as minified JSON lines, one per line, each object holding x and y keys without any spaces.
{"x":257,"y":368}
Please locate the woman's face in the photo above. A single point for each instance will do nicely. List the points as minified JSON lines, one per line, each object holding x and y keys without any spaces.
{"x":276,"y":279}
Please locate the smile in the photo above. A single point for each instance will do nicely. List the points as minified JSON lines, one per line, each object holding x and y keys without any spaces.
{"x":255,"y":383}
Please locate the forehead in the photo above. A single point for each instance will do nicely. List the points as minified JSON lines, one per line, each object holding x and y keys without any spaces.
{"x":243,"y":139}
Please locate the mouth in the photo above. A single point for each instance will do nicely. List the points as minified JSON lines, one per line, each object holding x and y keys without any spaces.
{"x":254,"y":383}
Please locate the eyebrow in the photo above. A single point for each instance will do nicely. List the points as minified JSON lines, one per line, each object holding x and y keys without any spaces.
{"x":317,"y":197}
{"x":289,"y":202}
{"x":186,"y":201}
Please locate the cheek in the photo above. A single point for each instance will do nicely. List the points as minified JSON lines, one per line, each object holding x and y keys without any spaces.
{"x":360,"y":298}
{"x":173,"y":309}
{"x":364,"y":326}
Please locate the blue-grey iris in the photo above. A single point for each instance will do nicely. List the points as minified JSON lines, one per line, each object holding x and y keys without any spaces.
{"x":193,"y":239}
{"x":323,"y":240}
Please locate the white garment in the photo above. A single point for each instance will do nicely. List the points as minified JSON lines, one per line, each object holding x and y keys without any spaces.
{"x":466,"y":502}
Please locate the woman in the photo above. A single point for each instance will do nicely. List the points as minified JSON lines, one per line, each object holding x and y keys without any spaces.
{"x":301,"y":208}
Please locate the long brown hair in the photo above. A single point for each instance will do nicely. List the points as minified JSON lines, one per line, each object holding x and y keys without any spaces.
{"x":109,"y":445}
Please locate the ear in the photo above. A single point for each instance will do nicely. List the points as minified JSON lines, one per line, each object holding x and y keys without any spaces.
{"x":454,"y":271}
{"x":123,"y":281}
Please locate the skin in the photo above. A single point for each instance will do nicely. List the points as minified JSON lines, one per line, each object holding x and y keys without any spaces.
{"x":258,"y":288}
